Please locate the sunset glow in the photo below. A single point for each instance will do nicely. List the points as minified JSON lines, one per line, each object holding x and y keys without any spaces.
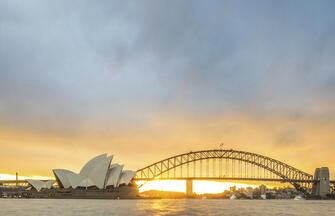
{"x":13,"y":177}
{"x":199,"y":187}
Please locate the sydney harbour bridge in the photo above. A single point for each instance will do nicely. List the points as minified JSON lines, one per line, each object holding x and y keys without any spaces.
{"x":233,"y":165}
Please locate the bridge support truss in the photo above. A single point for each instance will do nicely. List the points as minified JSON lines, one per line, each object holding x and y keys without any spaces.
{"x":226,"y":164}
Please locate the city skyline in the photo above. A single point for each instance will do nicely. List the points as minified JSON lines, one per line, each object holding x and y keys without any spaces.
{"x":148,"y":80}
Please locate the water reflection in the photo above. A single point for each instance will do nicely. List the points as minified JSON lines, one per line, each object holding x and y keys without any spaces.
{"x":27,"y":207}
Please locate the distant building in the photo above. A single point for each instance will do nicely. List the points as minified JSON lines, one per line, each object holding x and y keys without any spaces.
{"x":249,"y":192}
{"x":262,"y":189}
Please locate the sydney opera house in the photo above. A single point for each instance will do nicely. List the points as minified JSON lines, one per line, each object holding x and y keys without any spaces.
{"x":98,"y":178}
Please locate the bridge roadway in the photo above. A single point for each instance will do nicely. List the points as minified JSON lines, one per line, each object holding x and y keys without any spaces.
{"x":231,"y":179}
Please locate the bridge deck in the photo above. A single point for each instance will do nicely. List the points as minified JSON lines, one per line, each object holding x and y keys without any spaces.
{"x":227,"y":179}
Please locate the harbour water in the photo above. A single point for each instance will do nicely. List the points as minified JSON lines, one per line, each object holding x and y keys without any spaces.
{"x":52,"y":207}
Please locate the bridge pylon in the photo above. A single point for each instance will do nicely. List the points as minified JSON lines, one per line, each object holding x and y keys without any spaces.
{"x":321,"y":186}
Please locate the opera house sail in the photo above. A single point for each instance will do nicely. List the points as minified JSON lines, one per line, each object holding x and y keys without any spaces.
{"x":97,"y":176}
{"x":114,"y":173}
{"x":39,"y":185}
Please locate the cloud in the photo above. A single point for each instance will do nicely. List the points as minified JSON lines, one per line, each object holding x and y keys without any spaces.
{"x":289,"y":136}
{"x":112,"y":70}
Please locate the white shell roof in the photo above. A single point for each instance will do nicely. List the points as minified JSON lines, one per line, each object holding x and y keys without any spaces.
{"x":114,"y":175}
{"x":91,"y":164}
{"x":126,"y":177}
{"x":97,"y":172}
{"x":38,"y":185}
{"x":66,"y":177}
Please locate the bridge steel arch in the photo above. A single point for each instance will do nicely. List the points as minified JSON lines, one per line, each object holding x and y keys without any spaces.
{"x":302,"y":181}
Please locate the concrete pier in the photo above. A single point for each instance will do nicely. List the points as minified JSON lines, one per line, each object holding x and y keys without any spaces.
{"x":189,"y":187}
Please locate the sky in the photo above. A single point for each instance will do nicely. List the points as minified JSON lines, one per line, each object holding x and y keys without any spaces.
{"x":146,"y":80}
